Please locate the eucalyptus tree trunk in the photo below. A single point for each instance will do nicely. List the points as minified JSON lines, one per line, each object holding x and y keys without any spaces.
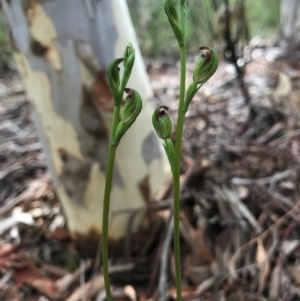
{"x":62,"y":50}
{"x":290,"y":23}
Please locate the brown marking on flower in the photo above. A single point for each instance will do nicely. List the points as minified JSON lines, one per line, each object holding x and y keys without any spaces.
{"x":162,"y":111}
{"x":130,"y":93}
{"x":205,"y":53}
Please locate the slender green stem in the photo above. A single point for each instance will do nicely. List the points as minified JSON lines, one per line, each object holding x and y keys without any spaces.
{"x":106,"y":202}
{"x":176,"y":171}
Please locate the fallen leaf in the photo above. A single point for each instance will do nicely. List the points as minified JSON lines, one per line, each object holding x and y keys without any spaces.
{"x":275,"y":282}
{"x":188,"y":293}
{"x":283,"y":88}
{"x":289,"y":246}
{"x":198,"y":261}
{"x":30,"y":274}
{"x":264,"y":266}
{"x":130,"y":292}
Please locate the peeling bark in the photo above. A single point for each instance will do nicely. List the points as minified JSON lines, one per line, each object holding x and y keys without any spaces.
{"x":62,"y":51}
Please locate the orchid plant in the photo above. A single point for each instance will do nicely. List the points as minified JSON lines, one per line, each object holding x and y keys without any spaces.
{"x":124,"y":117}
{"x":205,"y":67}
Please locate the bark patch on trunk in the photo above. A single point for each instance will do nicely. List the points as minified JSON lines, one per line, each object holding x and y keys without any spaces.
{"x":151,"y":150}
{"x":94,"y":141}
{"x":74,"y":177}
{"x":103,"y":94}
{"x":43,"y":31}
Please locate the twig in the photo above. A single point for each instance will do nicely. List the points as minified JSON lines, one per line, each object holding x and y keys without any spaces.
{"x":29,"y":135}
{"x":17,"y":167}
{"x":263,"y":181}
{"x":65,"y":282}
{"x":152,"y":237}
{"x":237,"y":207}
{"x":285,"y":138}
{"x":157,"y":205}
{"x":82,"y":278}
{"x":93,"y":287}
{"x":231,"y":264}
{"x":163,"y":278}
{"x":20,"y":150}
{"x":230,"y":46}
{"x":154,"y":273}
{"x":6,"y":278}
{"x":12,"y":92}
{"x":36,"y":189}
{"x":53,"y":271}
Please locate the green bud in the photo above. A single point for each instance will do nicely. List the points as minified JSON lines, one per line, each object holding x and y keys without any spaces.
{"x":129,"y":56}
{"x":169,"y":149}
{"x":162,"y":122}
{"x":206,"y":65}
{"x":190,"y":93}
{"x":128,"y":115}
{"x":173,"y":16}
{"x":113,"y":74}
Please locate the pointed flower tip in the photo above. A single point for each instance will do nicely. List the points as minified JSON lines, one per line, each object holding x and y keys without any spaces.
{"x":129,"y":57}
{"x":171,"y":11}
{"x":129,"y":50}
{"x":162,"y":122}
{"x":206,"y":65}
{"x":113,"y":74}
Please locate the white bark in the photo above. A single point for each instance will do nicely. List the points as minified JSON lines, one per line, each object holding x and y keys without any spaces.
{"x":290,"y":22}
{"x":62,"y":51}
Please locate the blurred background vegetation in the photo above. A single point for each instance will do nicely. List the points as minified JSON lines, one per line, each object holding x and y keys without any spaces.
{"x":204,"y":17}
{"x":204,"y":20}
{"x":6,"y":61}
